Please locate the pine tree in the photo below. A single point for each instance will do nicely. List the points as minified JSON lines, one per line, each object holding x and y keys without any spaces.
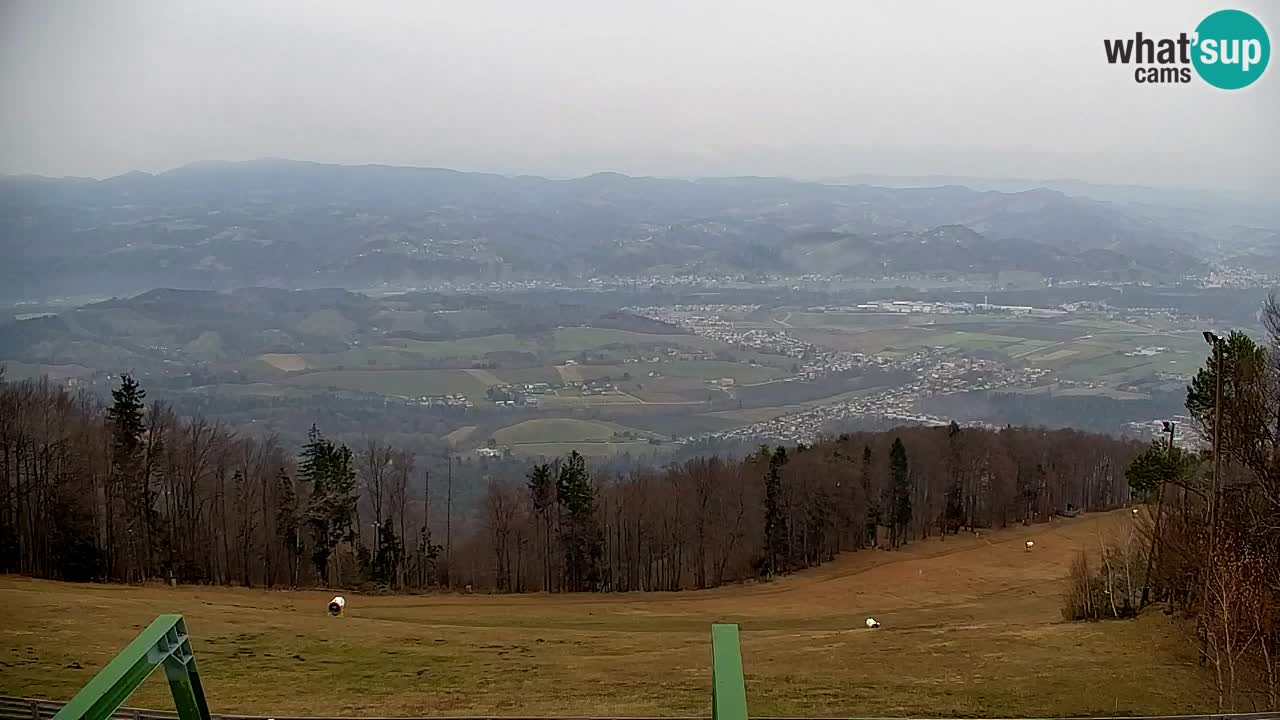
{"x":313,"y":469}
{"x":542,"y":489}
{"x":580,"y":538}
{"x":125,"y":416}
{"x":953,"y":509}
{"x":775,"y":521}
{"x":871,"y":518}
{"x":289,"y":523}
{"x":331,"y":507}
{"x":820,"y":520}
{"x":900,"y":481}
{"x":127,"y":484}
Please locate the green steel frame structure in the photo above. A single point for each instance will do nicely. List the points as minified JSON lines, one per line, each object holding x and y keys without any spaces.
{"x":728,"y":689}
{"x":165,"y":642}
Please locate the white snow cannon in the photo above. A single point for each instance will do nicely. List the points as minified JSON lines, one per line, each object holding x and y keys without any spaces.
{"x":872,"y":623}
{"x":337,"y":605}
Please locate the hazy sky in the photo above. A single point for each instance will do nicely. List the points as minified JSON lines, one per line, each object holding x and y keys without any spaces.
{"x":682,"y":87}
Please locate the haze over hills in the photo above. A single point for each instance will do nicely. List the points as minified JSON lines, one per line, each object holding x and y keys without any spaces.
{"x":533,"y":329}
{"x":221,"y":225}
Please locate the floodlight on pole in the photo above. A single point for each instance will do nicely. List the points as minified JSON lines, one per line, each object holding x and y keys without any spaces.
{"x":1169,"y":427}
{"x":1218,"y":370}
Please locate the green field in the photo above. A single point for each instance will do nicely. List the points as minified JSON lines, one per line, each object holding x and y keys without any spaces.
{"x":843,"y":321}
{"x":397,"y":383}
{"x":569,"y":400}
{"x":970,"y":628}
{"x":872,"y":341}
{"x":553,"y":430}
{"x":14,"y":371}
{"x":700,"y":370}
{"x":472,"y":347}
{"x":1076,"y":349}
{"x":677,"y":425}
{"x":577,"y":339}
{"x":962,"y":340}
{"x":381,"y":357}
{"x":591,"y":449}
{"x":712,"y":370}
{"x":520,"y":376}
{"x":402,"y":353}
{"x":1098,"y":353}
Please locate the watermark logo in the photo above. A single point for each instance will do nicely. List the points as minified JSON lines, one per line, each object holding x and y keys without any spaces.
{"x":1229,"y":50}
{"x":1233,"y":49}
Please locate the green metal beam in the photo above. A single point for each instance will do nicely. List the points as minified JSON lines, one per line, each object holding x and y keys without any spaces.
{"x":728,"y":689}
{"x":163,"y":642}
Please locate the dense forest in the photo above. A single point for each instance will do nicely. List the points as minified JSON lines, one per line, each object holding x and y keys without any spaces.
{"x":131,"y":492}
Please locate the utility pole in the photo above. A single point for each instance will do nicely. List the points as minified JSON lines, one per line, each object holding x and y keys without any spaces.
{"x":426,"y":499}
{"x":1217,"y":462}
{"x":426,"y":526}
{"x":1174,"y":464}
{"x":448,"y":515}
{"x":1217,"y":436}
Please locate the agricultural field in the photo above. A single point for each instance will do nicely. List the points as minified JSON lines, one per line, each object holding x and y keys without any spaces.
{"x":519,"y":376}
{"x":55,"y":373}
{"x":578,"y":339}
{"x":397,"y":383}
{"x":550,"y":430}
{"x":586,"y":448}
{"x":678,"y":383}
{"x":970,"y":627}
{"x":472,"y":347}
{"x":397,"y":369}
{"x":1089,"y":350}
{"x":556,"y":437}
{"x":551,"y":348}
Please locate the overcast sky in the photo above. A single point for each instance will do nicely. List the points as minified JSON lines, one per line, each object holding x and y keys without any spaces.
{"x":680,"y":87}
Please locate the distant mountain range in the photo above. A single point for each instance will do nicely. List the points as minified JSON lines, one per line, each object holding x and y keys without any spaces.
{"x":290,"y":224}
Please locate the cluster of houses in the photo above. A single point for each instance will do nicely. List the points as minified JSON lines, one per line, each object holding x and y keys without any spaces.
{"x":438,"y":401}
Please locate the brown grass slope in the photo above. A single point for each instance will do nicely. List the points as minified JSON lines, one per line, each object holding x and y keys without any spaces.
{"x":970,"y":627}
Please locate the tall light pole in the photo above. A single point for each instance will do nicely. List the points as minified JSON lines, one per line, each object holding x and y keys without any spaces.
{"x":448,"y":514}
{"x":1168,"y":426}
{"x":426,"y":525}
{"x":1216,"y":342}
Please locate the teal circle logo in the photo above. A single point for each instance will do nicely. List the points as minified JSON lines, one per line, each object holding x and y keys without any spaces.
{"x":1232,"y":49}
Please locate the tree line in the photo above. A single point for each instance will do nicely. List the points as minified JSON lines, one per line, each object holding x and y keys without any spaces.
{"x":709,"y":520}
{"x":131,"y":492}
